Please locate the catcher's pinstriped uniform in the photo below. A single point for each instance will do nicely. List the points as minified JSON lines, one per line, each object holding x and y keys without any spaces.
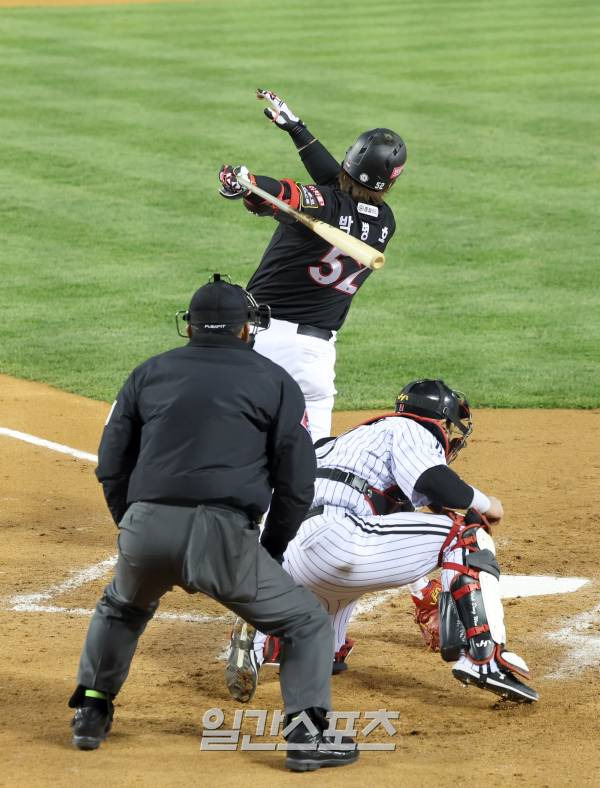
{"x":345,"y":548}
{"x":349,"y":550}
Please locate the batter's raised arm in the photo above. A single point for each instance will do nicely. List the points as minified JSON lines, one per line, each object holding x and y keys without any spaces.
{"x":319,"y":163}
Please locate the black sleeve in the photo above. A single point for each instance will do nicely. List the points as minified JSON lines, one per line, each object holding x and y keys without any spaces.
{"x":319,"y":163}
{"x":119,"y":449}
{"x":292,"y":467}
{"x":444,"y":488}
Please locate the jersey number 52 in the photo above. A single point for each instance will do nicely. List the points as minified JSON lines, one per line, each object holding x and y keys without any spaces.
{"x":330,"y":273}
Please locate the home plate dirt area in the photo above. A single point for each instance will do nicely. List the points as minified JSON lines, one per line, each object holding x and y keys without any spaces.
{"x":57,"y":546}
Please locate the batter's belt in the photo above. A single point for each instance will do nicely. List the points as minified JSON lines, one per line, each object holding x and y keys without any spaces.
{"x":313,"y":331}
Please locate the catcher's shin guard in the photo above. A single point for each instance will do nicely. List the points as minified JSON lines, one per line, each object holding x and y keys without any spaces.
{"x":471,"y":615}
{"x":472,"y":611}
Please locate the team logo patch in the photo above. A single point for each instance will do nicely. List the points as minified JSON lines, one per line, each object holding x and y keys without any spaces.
{"x":309,"y":200}
{"x":318,"y":195}
{"x":305,"y":422}
{"x":396,"y":171}
{"x":369,"y":210}
{"x":363,"y":177}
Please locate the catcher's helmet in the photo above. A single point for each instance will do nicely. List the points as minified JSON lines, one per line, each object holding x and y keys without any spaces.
{"x":376,"y":159}
{"x":434,"y":400}
{"x":221,"y":307}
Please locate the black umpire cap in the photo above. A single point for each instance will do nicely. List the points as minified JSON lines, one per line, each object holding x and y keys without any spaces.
{"x":218,"y":305}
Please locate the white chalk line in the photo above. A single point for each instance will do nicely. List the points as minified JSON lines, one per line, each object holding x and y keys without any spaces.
{"x":59,"y":447}
{"x":584,"y":649}
{"x":511,"y":587}
{"x":78,"y":578}
{"x":191,"y":618}
{"x":31,"y":603}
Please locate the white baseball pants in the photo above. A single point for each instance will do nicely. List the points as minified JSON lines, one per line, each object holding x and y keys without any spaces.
{"x":311,"y":362}
{"x":341,"y":556}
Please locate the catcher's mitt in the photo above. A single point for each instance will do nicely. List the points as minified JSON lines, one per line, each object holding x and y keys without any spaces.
{"x":427,"y":614}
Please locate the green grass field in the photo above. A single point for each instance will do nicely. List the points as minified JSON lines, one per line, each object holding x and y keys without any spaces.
{"x":114,"y":122}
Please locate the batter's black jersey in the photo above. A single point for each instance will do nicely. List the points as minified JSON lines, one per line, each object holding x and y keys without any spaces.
{"x":302,"y":277}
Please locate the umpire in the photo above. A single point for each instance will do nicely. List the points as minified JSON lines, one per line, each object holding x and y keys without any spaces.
{"x":200,"y":442}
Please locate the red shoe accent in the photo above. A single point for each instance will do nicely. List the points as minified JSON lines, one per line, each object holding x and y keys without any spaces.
{"x":345,"y":650}
{"x":272,"y":650}
{"x":427,"y":616}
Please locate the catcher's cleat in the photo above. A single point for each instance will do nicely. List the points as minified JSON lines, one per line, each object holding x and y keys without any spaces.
{"x":427,"y":615}
{"x":91,"y":726}
{"x":339,"y":660}
{"x":241,"y":671}
{"x":307,"y":752}
{"x":496,"y":678}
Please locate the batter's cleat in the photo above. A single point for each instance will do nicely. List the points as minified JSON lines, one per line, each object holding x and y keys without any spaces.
{"x":241,"y":671}
{"x":339,"y":659}
{"x":310,"y":751}
{"x":91,"y":726}
{"x":497,"y":678}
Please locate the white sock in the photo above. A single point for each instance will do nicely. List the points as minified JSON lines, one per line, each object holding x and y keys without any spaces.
{"x":259,"y":645}
{"x":417,"y":587}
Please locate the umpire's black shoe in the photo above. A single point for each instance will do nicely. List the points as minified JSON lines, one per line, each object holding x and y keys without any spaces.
{"x":307,"y":752}
{"x":91,"y":725}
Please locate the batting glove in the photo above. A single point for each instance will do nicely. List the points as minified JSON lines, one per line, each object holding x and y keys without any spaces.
{"x":278,"y":112}
{"x":231,"y":189}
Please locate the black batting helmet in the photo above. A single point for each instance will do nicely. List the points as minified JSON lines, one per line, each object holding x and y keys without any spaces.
{"x":434,"y":400}
{"x":376,"y":159}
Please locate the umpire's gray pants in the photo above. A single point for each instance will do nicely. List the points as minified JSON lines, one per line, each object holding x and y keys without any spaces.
{"x":213,"y":550}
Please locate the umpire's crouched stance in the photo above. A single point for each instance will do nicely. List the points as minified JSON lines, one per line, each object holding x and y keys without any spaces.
{"x":196,"y":442}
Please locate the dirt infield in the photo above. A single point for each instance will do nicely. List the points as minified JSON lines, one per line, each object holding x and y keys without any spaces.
{"x":543,"y":464}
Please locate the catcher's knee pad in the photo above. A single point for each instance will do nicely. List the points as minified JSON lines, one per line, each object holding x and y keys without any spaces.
{"x":473,"y":600}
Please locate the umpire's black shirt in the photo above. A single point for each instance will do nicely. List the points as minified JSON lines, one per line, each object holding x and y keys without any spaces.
{"x":211,"y":422}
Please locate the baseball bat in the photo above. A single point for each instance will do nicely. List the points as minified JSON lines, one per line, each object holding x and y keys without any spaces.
{"x":353,"y":247}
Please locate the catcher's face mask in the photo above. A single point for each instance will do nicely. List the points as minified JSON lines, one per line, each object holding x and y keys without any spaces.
{"x":458,"y":428}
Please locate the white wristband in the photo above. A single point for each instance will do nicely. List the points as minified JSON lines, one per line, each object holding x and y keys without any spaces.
{"x":480,"y":501}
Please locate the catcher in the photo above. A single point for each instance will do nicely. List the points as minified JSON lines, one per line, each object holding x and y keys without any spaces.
{"x":362,"y":534}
